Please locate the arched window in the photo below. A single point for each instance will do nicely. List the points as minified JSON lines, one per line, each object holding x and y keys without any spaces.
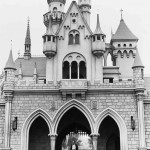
{"x":70,"y":39}
{"x":82,"y":70}
{"x":55,"y":9}
{"x":119,"y":45}
{"x":74,"y":67}
{"x":66,"y":70}
{"x":130,"y":45}
{"x":74,"y":37}
{"x":77,"y":39}
{"x":74,"y":70}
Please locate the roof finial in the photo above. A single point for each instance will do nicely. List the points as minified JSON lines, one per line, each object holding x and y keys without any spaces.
{"x":11,"y":44}
{"x":121,"y":13}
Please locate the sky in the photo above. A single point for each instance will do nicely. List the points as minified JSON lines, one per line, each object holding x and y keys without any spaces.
{"x":14,"y":15}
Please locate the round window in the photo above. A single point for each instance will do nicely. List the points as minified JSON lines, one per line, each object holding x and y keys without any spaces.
{"x":74,"y":20}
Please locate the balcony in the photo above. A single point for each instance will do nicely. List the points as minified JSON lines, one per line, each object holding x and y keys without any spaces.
{"x":55,"y":16}
{"x":73,"y":87}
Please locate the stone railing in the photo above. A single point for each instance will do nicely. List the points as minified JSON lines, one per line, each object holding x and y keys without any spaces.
{"x":73,"y":84}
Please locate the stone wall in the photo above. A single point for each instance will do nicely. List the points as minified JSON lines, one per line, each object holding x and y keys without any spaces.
{"x":2,"y":121}
{"x":125,"y":104}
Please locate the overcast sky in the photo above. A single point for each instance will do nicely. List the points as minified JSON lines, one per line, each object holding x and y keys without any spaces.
{"x":14,"y":14}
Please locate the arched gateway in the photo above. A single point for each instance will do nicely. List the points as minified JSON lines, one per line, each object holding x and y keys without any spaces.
{"x":74,"y":126}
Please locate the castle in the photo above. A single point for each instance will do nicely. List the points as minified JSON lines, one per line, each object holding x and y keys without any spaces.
{"x":71,"y":91}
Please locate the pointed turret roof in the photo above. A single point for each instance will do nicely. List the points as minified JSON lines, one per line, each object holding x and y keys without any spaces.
{"x":137,"y":61}
{"x":123,"y":32}
{"x":10,"y":62}
{"x":28,"y":39}
{"x":98,"y":28}
{"x":49,"y":29}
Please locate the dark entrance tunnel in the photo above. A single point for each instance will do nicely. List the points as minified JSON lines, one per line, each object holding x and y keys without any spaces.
{"x":109,"y":135}
{"x":72,"y":121}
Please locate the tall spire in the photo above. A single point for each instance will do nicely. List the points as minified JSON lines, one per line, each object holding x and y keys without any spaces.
{"x":28,"y":39}
{"x":27,"y":54}
{"x":10,"y":62}
{"x":98,"y":28}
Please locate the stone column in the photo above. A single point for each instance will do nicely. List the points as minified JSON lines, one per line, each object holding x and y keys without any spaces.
{"x":49,"y":69}
{"x":53,"y":141}
{"x":99,"y":69}
{"x":142,"y":145}
{"x":8,"y":103}
{"x":94,"y":139}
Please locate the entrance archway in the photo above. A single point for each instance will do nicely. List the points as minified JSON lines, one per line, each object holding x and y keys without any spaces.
{"x":109,"y":135}
{"x":71,"y":128}
{"x":38,"y":135}
{"x":109,"y":112}
{"x":39,"y":113}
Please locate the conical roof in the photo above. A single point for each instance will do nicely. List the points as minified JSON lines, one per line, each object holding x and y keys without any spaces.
{"x":49,"y":29}
{"x":28,"y":39}
{"x":123,"y":32}
{"x":10,"y":62}
{"x":137,"y":61}
{"x":98,"y":28}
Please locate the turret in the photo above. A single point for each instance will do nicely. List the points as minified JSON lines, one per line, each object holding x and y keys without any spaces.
{"x":49,"y":49}
{"x":98,"y":49}
{"x":138,"y":72}
{"x":124,"y":43}
{"x":9,"y":73}
{"x":27,"y":53}
{"x":85,"y":7}
{"x":56,"y":13}
{"x":49,"y":42}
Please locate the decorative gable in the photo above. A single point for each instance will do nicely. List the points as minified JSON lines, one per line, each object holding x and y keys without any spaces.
{"x":74,"y":20}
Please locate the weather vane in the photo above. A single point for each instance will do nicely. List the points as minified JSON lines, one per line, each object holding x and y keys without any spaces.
{"x":121,"y":13}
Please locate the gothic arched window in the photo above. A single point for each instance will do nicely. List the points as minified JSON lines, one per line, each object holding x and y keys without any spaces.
{"x":66,"y":70}
{"x":74,"y":37}
{"x":82,"y":70}
{"x":74,"y":67}
{"x":70,"y":39}
{"x":77,"y":39}
{"x":74,"y":70}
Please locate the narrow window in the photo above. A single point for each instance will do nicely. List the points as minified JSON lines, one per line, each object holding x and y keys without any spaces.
{"x":49,"y":38}
{"x":44,"y":39}
{"x":77,"y":39}
{"x":74,"y":70}
{"x":142,"y":73}
{"x":70,"y":39}
{"x":98,"y":37}
{"x":5,"y":75}
{"x":82,"y":70}
{"x":124,"y":45}
{"x":93,"y":38}
{"x":66,"y":70}
{"x":53,"y":39}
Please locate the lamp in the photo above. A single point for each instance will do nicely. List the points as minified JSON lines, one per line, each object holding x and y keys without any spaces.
{"x":14,"y":123}
{"x":132,"y":123}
